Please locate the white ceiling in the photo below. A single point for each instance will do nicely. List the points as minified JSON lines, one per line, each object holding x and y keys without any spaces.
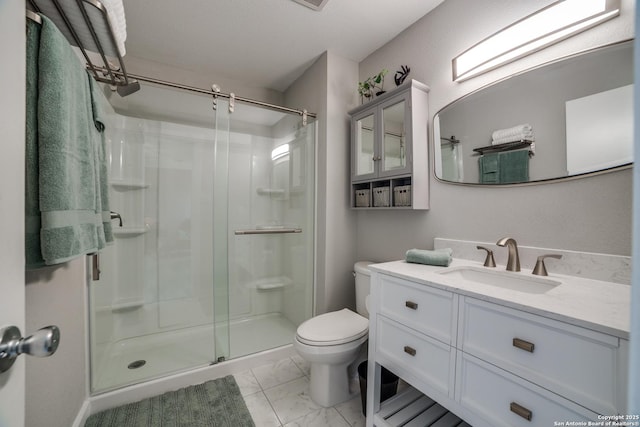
{"x":262,"y":43}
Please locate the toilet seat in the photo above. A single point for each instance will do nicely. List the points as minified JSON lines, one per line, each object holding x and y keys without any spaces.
{"x":334,"y":328}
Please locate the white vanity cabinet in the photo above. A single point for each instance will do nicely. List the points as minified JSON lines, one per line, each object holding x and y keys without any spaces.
{"x":389,"y":155}
{"x":489,"y":364}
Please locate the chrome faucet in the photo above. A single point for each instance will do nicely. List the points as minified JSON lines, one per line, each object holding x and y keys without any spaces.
{"x":513,"y":262}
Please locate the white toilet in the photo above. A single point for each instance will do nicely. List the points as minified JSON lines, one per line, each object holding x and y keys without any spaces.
{"x":332,"y":342}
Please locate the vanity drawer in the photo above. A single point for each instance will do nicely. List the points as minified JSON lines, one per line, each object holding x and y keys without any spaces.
{"x":425,"y":309}
{"x":505,"y":400}
{"x":419,"y":357}
{"x":575,"y":362}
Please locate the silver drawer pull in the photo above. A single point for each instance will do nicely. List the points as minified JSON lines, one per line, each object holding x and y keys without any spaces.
{"x":521,"y":411}
{"x":410,"y":351}
{"x":412,"y":305}
{"x":523,"y":345}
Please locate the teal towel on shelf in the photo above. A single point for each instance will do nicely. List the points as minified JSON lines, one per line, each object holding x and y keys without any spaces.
{"x":72,"y":177}
{"x":440,"y":257}
{"x":33,"y":256}
{"x":489,"y":168}
{"x":514,"y":166}
{"x":505,"y":167}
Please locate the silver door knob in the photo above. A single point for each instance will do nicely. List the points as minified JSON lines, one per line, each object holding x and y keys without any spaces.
{"x":41,"y":344}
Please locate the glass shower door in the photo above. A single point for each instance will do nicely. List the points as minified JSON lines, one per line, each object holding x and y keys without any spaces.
{"x":153,"y":312}
{"x":270,"y":223}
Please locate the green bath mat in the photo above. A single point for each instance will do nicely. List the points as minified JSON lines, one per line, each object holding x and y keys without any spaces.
{"x":216,"y":403}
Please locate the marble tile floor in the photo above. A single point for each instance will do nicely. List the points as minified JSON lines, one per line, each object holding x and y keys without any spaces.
{"x":277,"y":395}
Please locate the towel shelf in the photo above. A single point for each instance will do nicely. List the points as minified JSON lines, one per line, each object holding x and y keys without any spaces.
{"x":508,"y":146}
{"x":86,"y":25}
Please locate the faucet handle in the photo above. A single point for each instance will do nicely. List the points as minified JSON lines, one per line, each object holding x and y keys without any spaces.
{"x":540,"y":269}
{"x":488,"y":261}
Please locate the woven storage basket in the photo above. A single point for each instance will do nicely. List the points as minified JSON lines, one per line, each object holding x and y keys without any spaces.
{"x":381,"y":197}
{"x":402,"y":195}
{"x":363,"y":198}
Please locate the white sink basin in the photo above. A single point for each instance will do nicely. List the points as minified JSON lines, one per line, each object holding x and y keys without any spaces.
{"x":502,"y":279}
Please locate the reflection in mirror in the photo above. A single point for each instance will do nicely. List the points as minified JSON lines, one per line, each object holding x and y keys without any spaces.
{"x":394,"y":138}
{"x":566,"y":118}
{"x":364,"y":145}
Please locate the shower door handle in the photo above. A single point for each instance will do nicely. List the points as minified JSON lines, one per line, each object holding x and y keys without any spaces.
{"x":95,"y":267}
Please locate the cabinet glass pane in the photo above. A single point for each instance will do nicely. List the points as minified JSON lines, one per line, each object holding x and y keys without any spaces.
{"x":394,"y":137}
{"x":364,"y":145}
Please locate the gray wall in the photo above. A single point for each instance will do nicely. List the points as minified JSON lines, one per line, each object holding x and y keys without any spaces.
{"x":590,"y":214}
{"x":327,"y":89}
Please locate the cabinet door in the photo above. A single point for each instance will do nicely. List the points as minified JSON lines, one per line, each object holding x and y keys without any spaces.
{"x":363,"y":146}
{"x":395,"y":140}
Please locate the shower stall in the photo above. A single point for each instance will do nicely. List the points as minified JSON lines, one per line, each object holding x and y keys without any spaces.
{"x":214,"y":256}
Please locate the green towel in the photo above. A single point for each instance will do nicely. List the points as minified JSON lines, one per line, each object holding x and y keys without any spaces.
{"x":102,"y":193}
{"x":440,"y":257}
{"x":71,"y":153}
{"x":489,"y":168}
{"x":514,"y":166}
{"x":505,"y":167}
{"x":33,"y":256}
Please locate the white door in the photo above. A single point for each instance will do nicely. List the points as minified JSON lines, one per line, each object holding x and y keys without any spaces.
{"x":12,"y":119}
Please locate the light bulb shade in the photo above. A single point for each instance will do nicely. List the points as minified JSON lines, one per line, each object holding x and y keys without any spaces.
{"x":547,"y":26}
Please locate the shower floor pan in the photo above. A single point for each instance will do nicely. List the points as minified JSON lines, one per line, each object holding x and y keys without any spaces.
{"x":176,"y":351}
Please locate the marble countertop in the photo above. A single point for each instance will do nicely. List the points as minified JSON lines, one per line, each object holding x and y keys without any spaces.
{"x":593,"y":304}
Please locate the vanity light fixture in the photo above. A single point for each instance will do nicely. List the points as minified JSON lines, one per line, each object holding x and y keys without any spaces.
{"x":547,"y":26}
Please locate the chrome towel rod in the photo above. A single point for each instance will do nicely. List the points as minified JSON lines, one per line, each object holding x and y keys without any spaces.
{"x":33,"y":16}
{"x":201,"y":91}
{"x":268,"y":231}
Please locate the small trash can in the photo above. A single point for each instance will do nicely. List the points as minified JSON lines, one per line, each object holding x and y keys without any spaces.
{"x":388,"y":386}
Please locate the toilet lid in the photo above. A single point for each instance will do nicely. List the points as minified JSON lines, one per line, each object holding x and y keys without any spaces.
{"x":336,"y":327}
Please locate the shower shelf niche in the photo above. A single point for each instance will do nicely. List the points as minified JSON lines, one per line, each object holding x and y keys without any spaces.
{"x":271,"y":192}
{"x":126,"y":306}
{"x":129,"y":232}
{"x":270,"y":283}
{"x":125,"y":185}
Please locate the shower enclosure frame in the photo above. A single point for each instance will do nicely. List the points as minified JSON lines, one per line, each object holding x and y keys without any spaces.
{"x":217,"y":95}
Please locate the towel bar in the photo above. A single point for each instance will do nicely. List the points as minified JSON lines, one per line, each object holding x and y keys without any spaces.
{"x":268,"y":231}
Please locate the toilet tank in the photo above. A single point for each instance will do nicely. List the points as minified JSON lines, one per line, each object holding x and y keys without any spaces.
{"x":363,"y":286}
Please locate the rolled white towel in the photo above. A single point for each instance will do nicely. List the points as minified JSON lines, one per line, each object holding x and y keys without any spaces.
{"x":115,"y":11}
{"x":515,"y":130}
{"x":514,"y":138}
{"x":515,"y":133}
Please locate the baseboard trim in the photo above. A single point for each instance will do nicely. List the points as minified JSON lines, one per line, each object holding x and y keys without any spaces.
{"x":83,"y":414}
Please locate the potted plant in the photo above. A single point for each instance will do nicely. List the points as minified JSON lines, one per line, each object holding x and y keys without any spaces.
{"x":365,"y":90}
{"x":378,"y":81}
{"x":373,"y":84}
